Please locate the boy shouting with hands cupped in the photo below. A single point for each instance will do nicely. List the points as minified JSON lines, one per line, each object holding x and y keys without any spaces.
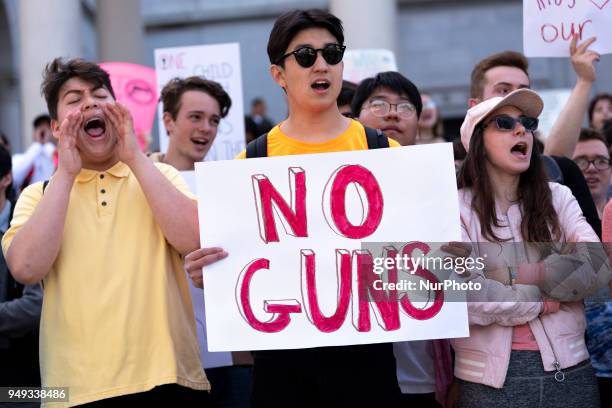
{"x":105,"y":236}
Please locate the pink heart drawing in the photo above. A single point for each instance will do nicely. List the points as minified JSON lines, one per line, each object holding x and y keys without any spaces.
{"x":602,"y":5}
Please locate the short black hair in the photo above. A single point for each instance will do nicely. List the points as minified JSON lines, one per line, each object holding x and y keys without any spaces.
{"x":59,"y":71}
{"x":289,"y":24}
{"x":173,"y":91}
{"x":346,"y":93}
{"x":40,"y":119}
{"x":391,"y":80}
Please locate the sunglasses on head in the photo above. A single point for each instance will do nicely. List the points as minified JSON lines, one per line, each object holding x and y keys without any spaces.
{"x":508,"y":123}
{"x":306,"y":56}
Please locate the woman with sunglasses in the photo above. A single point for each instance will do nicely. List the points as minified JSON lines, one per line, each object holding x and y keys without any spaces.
{"x":526,"y":344}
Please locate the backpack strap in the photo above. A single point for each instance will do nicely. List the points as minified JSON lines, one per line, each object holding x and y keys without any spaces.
{"x":257,"y":147}
{"x":376,"y":139}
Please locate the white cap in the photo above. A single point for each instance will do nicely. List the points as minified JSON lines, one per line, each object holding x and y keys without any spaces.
{"x":524,"y":99}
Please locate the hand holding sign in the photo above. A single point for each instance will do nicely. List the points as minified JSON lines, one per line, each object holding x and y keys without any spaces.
{"x":583,"y":59}
{"x":198,"y":259}
{"x":548,"y":26}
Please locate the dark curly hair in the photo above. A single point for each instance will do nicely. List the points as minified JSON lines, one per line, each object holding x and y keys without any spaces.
{"x":58,"y":71}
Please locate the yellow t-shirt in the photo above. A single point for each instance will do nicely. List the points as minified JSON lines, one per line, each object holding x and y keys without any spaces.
{"x":117,"y":316}
{"x":353,"y":138}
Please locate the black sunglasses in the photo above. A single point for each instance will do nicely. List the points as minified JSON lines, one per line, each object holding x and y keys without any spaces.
{"x":306,"y":56}
{"x":508,"y":123}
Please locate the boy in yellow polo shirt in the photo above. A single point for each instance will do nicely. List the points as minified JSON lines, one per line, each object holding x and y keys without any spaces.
{"x":306,"y":49}
{"x":105,"y":237}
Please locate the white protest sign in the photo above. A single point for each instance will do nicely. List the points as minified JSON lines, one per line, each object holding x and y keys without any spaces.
{"x":365,"y":63}
{"x":208,"y":359}
{"x":217,"y":62}
{"x":548,"y":26}
{"x":294,"y":226}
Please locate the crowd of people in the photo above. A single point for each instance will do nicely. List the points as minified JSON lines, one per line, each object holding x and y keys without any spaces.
{"x":101,"y":241}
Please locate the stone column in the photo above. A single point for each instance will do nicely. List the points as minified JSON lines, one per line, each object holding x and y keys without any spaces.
{"x":47,"y":29}
{"x":120,"y":31}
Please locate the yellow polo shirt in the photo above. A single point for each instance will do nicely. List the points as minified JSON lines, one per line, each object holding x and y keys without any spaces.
{"x":353,"y":138}
{"x":117,"y":316}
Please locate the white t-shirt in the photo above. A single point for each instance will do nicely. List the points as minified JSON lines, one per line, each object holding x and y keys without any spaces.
{"x":415,"y":366}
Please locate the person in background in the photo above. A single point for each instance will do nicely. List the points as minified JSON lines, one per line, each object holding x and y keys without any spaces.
{"x":193,"y":108}
{"x":20,"y":306}
{"x":390,"y":102}
{"x":424,"y":368}
{"x":257,"y":123}
{"x":431,"y":128}
{"x":592,"y":155}
{"x":599,"y":324}
{"x":600,"y":110}
{"x":39,"y":161}
{"x":346,"y":97}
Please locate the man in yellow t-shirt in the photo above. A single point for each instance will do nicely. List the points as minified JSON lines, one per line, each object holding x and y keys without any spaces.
{"x":306,"y":50}
{"x":105,"y":237}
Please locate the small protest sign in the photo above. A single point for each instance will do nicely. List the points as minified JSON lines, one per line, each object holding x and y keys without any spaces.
{"x":548,"y":26}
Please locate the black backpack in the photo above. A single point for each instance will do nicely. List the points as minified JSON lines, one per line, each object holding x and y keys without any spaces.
{"x":259,"y":147}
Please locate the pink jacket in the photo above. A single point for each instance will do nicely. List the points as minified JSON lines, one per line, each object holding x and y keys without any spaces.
{"x":497,"y":308}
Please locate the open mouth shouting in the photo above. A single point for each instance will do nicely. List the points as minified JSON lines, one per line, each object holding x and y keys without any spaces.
{"x":95,"y":127}
{"x":519,"y":150}
{"x":320,"y":85}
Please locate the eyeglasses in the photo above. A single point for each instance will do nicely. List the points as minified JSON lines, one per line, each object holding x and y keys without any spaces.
{"x":600,"y":163}
{"x":306,"y":56}
{"x":381,"y":108}
{"x":508,"y":123}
